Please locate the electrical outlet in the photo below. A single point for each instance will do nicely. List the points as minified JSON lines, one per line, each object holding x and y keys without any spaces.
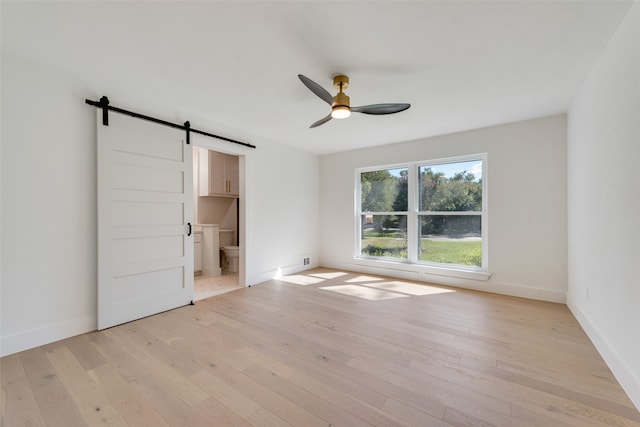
{"x":306,"y":261}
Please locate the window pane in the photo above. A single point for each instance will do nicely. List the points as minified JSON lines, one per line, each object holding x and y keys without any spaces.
{"x":384,"y":190}
{"x":384,"y":236}
{"x":451,"y":187}
{"x":450,"y":239}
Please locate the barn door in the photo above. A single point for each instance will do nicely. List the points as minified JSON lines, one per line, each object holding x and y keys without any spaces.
{"x":145,"y":206}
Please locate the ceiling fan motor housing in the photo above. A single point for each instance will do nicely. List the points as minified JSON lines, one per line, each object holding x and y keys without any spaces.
{"x":341,"y":99}
{"x":341,"y":102}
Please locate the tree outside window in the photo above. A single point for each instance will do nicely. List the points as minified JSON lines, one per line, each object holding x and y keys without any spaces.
{"x":384,"y":213}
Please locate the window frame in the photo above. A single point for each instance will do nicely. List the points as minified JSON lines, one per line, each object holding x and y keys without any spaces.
{"x":413,"y":214}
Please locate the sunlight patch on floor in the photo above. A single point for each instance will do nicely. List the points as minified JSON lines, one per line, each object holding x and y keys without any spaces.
{"x":329,"y":275}
{"x":408,"y":288}
{"x":364,"y":292}
{"x":363,"y":279}
{"x":362,"y":286}
{"x":299,"y":279}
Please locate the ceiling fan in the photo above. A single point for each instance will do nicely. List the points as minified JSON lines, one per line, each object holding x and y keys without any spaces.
{"x":340,"y":107}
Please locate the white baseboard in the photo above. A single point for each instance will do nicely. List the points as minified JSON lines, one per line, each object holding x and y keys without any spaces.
{"x":40,"y":336}
{"x":628,"y":379}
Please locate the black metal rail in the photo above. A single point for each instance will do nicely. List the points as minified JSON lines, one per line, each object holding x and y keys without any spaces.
{"x":104,"y":104}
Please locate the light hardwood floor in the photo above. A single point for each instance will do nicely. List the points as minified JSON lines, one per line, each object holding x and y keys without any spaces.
{"x":325,"y":348}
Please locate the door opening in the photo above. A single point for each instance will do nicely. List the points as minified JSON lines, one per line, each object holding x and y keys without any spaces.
{"x":218,"y":200}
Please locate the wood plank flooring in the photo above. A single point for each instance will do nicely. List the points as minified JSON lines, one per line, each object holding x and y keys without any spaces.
{"x":325,"y":348}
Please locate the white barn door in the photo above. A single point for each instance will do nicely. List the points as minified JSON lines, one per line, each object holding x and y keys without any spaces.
{"x":145,"y":206}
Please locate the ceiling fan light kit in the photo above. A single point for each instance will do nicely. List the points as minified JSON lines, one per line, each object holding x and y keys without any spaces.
{"x":340,"y":104}
{"x":340,"y":111}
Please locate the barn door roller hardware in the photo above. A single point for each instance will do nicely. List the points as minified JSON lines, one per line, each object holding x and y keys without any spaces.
{"x":106,"y":107}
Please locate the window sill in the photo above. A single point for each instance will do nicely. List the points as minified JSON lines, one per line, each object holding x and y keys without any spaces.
{"x":427,"y":270}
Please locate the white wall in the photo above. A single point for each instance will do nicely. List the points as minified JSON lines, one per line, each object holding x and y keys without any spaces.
{"x":526,"y":201}
{"x":217,"y":210}
{"x":48,"y":218}
{"x":48,"y":207}
{"x":604,"y":204}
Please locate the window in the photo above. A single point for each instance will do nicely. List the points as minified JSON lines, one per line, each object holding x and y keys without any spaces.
{"x":383,"y":217}
{"x":425,"y":213}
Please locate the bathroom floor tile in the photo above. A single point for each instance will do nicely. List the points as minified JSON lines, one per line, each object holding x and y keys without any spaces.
{"x":207,"y":286}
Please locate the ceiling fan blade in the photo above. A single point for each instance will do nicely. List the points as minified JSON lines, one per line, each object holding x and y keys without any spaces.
{"x":321,"y":121}
{"x":379,"y":109}
{"x":317,"y":89}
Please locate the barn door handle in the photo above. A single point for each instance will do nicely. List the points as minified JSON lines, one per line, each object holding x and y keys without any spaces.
{"x":189,"y":232}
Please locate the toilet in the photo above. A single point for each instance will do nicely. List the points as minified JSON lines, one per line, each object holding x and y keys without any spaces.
{"x":229,"y":254}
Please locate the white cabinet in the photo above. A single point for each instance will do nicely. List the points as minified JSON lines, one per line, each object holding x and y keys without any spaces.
{"x":197,"y":252}
{"x":219,"y":174}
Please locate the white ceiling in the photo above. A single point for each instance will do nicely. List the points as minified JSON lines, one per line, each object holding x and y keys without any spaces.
{"x":460,"y":64}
